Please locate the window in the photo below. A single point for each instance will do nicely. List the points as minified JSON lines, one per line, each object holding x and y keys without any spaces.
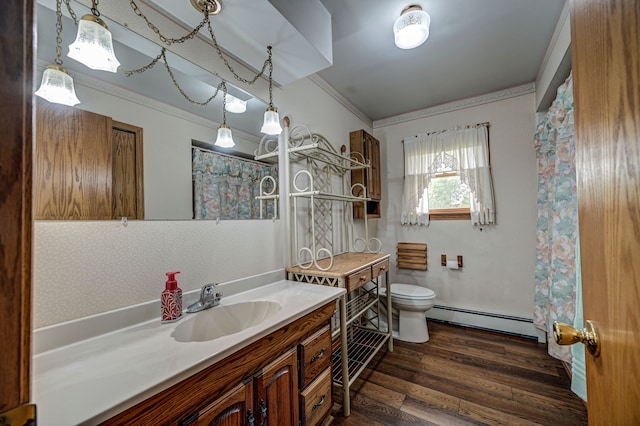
{"x":447,"y":177}
{"x":448,"y":197}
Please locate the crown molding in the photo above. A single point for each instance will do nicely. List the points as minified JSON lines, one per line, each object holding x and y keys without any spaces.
{"x":321,"y":83}
{"x":80,"y":79}
{"x":457,"y":105}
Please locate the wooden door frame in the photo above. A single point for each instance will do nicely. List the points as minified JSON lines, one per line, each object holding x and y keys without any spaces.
{"x":16,"y":148}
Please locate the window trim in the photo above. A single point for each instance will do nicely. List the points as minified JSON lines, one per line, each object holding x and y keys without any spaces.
{"x":462,"y":213}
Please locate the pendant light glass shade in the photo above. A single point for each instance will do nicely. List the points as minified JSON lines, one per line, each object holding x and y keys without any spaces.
{"x":271,"y":125}
{"x":57,"y":86}
{"x":411,"y":29}
{"x":93,"y":46}
{"x":235,"y":105}
{"x":224,"y":139}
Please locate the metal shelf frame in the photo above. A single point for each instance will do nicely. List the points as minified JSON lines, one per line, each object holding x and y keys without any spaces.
{"x":356,"y":324}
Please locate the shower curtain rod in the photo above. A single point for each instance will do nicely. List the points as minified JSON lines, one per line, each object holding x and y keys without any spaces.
{"x":486,"y":123}
{"x":237,"y":157}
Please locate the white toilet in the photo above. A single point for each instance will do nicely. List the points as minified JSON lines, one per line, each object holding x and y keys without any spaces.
{"x":412,"y":302}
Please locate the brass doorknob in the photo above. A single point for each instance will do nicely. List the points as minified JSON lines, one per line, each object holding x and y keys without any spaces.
{"x":564,"y":334}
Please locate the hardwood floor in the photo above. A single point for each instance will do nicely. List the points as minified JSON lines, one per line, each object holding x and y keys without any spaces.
{"x":463,"y":376}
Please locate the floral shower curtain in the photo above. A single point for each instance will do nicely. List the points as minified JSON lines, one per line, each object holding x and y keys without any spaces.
{"x":557,"y":227}
{"x":226,"y":187}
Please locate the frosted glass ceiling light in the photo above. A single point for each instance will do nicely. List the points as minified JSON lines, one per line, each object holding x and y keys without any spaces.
{"x":411,"y":29}
{"x":93,"y":46}
{"x":57,"y":84}
{"x":235,"y":105}
{"x":271,"y":124}
{"x":224,"y":139}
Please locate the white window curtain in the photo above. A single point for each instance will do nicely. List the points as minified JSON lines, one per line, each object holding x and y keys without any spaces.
{"x":463,"y":149}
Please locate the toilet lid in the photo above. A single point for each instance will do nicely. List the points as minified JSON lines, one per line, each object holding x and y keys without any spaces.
{"x":410,"y":291}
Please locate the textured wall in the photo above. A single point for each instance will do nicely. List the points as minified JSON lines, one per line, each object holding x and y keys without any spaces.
{"x":84,"y":268}
{"x":498,"y":273}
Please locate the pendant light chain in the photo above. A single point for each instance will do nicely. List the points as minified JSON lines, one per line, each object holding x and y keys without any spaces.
{"x":205,"y":21}
{"x":270,"y":78}
{"x":226,"y":63}
{"x":94,"y":8}
{"x":71,"y":12}
{"x":155,"y":29}
{"x":58,"y":59}
{"x":224,"y":103}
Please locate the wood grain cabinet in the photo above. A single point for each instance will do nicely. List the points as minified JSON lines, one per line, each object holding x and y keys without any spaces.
{"x":364,"y":144}
{"x":87,"y":166}
{"x":258,"y":385}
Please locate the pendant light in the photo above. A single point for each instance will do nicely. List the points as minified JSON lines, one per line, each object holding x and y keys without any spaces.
{"x":271,"y":124}
{"x":57,"y":84}
{"x":411,"y":29}
{"x":93,"y":46}
{"x":224,"y":139}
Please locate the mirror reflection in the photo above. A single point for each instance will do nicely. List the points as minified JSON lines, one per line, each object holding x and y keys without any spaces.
{"x":149,"y":123}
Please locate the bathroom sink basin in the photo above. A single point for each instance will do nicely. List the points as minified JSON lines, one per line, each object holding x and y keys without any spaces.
{"x":223,"y":320}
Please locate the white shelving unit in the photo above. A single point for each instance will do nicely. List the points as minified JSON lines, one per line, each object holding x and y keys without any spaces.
{"x":321,"y":245}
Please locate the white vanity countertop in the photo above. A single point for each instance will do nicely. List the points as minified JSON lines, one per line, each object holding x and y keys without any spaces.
{"x":89,"y":381}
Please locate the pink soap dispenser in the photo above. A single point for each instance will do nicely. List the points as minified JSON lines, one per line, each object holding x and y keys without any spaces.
{"x":171,"y":299}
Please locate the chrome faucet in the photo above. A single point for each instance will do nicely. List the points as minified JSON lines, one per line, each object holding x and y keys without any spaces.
{"x":209,"y":297}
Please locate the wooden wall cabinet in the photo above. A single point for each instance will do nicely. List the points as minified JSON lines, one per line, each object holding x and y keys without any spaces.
{"x":258,"y":385}
{"x":87,"y":166}
{"x":363,"y":143}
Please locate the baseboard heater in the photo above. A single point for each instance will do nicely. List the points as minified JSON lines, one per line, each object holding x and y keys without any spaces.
{"x":507,"y":324}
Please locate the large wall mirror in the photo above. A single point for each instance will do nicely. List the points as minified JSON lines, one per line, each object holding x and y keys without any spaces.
{"x":153,"y":124}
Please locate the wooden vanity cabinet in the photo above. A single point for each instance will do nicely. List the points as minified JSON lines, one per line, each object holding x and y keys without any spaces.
{"x":258,"y":384}
{"x":366,"y":145}
{"x":233,"y":409}
{"x":277,"y":390}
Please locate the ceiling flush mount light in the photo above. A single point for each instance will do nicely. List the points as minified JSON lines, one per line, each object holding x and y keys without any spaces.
{"x":93,"y":46}
{"x":271,"y":124}
{"x":57,"y":84}
{"x":235,"y":105}
{"x":411,"y":29}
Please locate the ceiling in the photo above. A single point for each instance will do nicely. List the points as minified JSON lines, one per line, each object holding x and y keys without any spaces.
{"x":474,"y":48}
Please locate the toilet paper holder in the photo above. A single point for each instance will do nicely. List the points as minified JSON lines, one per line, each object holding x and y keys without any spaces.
{"x":443,"y":260}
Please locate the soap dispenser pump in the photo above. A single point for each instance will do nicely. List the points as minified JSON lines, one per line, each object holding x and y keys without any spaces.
{"x":171,"y":299}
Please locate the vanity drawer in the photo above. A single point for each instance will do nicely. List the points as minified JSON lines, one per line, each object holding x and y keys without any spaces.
{"x":315,"y":355}
{"x":316,"y":400}
{"x":358,"y":278}
{"x":380,"y":268}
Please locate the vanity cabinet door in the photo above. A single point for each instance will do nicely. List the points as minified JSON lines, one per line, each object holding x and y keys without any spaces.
{"x":233,"y":409}
{"x":277,"y":392}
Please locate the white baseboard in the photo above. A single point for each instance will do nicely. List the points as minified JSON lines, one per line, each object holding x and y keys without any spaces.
{"x":488,"y":321}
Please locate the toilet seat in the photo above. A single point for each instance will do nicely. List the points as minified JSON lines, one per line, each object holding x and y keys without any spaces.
{"x":409,"y":291}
